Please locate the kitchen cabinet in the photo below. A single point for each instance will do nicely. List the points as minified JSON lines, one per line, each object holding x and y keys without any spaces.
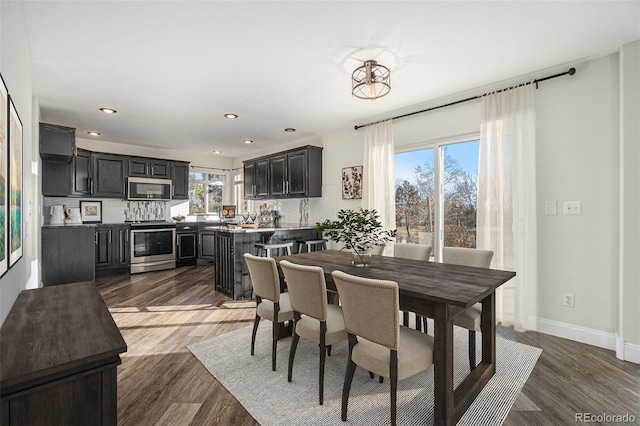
{"x":112,"y":248}
{"x":56,"y":178}
{"x":186,"y":244}
{"x":256,"y":178}
{"x":81,"y":174}
{"x":295,"y":173}
{"x":57,"y":143}
{"x":67,"y":254}
{"x":207,"y":245}
{"x":148,"y":167}
{"x":180,"y":180}
{"x":108,"y":176}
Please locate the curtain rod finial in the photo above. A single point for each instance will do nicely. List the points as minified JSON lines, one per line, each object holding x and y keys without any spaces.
{"x":571,"y":71}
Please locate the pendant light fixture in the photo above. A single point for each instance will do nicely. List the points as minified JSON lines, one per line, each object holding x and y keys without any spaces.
{"x":371,"y":81}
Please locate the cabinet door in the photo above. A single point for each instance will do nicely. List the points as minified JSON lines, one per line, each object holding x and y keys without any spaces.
{"x":249,"y":178}
{"x":57,"y":143}
{"x":180,"y":180}
{"x":262,"y":178}
{"x":207,"y":246}
{"x":104,"y":247}
{"x":159,"y":169}
{"x":186,"y":246}
{"x":81,"y":173}
{"x":108,"y":176}
{"x":56,"y":178}
{"x":122,"y":247}
{"x":298,"y":175}
{"x":278,"y":176}
{"x":138,"y":167}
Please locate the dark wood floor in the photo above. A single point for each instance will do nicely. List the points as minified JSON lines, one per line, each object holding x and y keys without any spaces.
{"x":160,"y":382}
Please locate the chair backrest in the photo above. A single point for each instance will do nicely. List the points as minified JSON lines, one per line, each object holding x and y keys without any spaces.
{"x":412,"y":251}
{"x":467,"y":256}
{"x":370,"y":308}
{"x":264,"y":277}
{"x":307,"y":289}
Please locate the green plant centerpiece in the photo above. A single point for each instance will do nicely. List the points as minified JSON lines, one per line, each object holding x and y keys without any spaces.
{"x":359,"y":230}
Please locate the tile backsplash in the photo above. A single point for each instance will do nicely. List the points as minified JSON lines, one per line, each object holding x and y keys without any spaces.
{"x":145,"y":210}
{"x":113,"y":211}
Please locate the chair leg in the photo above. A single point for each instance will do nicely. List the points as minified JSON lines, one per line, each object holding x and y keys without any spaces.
{"x":472,"y":349}
{"x":276,"y":332}
{"x":418,"y":322}
{"x":405,"y":318}
{"x":348,"y":378}
{"x":424,"y":325}
{"x":371,"y":375}
{"x":393,"y":369}
{"x":253,"y":334}
{"x":329,"y":350}
{"x":292,"y":355}
{"x":323,"y":354}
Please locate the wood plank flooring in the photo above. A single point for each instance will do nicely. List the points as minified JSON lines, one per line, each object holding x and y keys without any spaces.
{"x":161,"y":383}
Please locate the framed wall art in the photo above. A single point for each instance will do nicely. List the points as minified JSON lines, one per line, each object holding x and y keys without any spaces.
{"x":4,"y":182}
{"x":15,"y":185}
{"x":91,"y":211}
{"x":352,"y":183}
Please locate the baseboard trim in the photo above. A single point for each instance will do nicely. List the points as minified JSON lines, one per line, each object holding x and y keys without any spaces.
{"x":624,"y":350}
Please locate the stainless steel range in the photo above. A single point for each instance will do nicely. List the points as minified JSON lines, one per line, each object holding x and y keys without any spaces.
{"x":153,"y":246}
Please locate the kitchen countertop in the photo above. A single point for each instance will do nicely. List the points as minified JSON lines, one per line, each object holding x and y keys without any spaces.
{"x":284,"y":227}
{"x":78,"y":225}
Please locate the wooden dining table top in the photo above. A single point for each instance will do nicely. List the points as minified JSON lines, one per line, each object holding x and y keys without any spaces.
{"x":435,"y":282}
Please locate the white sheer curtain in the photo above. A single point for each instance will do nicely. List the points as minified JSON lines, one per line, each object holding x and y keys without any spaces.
{"x":507,"y":200}
{"x":379,"y":191}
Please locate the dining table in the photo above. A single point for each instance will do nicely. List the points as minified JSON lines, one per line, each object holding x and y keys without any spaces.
{"x":439,"y":291}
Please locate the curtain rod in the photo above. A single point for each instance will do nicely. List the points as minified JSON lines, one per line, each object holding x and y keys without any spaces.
{"x":571,"y":71}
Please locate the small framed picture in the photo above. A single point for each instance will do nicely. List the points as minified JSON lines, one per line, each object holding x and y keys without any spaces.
{"x":352,"y":183}
{"x":91,"y":211}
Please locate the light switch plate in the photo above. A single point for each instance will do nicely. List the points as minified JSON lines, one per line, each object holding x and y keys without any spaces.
{"x":573,"y":207}
{"x":550,"y":208}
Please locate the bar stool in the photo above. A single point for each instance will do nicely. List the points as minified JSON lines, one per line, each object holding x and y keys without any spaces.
{"x":264,"y":249}
{"x":312,"y":245}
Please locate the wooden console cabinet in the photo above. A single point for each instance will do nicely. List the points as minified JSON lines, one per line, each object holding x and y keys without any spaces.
{"x":59,"y":350}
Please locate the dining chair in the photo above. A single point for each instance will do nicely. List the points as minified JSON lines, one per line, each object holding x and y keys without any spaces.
{"x":271,"y":304}
{"x":416,"y":252}
{"x":314,"y":319}
{"x":377,"y":341}
{"x":469,"y":318}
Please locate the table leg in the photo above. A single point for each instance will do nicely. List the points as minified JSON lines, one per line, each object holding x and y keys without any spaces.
{"x":488,"y":327}
{"x":443,"y":367}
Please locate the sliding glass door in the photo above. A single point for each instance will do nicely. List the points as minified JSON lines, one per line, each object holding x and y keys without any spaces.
{"x":436,"y":195}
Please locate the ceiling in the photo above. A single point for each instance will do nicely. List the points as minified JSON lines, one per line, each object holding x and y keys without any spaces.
{"x":173,"y":69}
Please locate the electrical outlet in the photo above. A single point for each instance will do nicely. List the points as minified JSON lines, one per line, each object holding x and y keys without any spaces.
{"x":568,"y":300}
{"x":573,"y":207}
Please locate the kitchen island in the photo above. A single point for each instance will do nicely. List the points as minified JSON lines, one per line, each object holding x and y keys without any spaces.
{"x":231,"y":273}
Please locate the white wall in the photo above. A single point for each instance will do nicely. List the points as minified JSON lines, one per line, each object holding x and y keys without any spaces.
{"x":577,"y":159}
{"x":16,"y":70}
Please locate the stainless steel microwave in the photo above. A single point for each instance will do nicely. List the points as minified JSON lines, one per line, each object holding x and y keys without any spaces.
{"x":146,"y":189}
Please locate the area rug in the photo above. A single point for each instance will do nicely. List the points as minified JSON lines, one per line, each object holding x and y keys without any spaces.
{"x":271,"y":400}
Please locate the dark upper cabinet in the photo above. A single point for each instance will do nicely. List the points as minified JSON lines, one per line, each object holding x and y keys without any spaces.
{"x":108,"y":176}
{"x":180,"y":180}
{"x":256,"y":178}
{"x":151,"y":168}
{"x":81,"y":167}
{"x":296,"y":173}
{"x":57,"y":143}
{"x":57,"y":178}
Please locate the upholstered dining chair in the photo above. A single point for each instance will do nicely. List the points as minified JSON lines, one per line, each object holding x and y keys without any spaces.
{"x":314,"y":319}
{"x":416,"y":252}
{"x":470,"y":318}
{"x":270,"y":303}
{"x":377,"y":341}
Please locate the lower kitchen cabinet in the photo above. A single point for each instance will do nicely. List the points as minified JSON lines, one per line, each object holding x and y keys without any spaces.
{"x":186,"y":244}
{"x":67,"y":254}
{"x":112,"y":248}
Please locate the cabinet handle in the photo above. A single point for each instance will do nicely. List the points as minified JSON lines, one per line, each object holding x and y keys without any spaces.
{"x":95,"y":238}
{"x":109,"y":236}
{"x":90,"y":186}
{"x":152,"y":171}
{"x":126,"y":236}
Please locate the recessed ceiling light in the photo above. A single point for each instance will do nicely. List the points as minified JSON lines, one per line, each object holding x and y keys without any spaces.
{"x":217,"y":152}
{"x":94,"y":133}
{"x":231,"y":116}
{"x":247,"y":141}
{"x":289,"y":129}
{"x":108,"y":110}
